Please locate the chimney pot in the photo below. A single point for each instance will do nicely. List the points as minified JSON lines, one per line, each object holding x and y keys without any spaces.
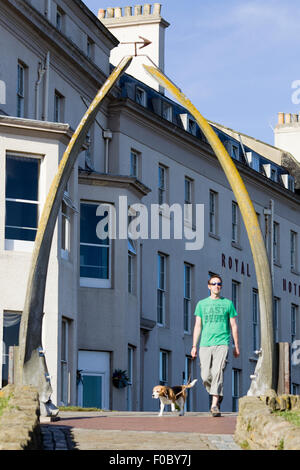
{"x":101,"y":13}
{"x":280,"y":118}
{"x":288,"y":118}
{"x":156,"y":9}
{"x":118,"y":12}
{"x":147,"y":9}
{"x":127,"y":11}
{"x":137,"y":10}
{"x":110,"y":12}
{"x":294,"y":117}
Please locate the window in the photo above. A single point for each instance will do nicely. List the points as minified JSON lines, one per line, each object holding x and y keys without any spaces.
{"x":161,"y":289}
{"x":235,"y":294}
{"x":293,"y":238}
{"x":59,"y":19}
{"x":130,"y":378}
{"x":235,"y":388}
{"x":64,"y":362}
{"x":90,"y":48}
{"x":65,"y":230}
{"x":276,"y":306}
{"x":255,"y":315}
{"x":192,"y":126}
{"x":133,"y":163}
{"x":188,"y":376}
{"x":22,"y":204}
{"x":234,"y":231}
{"x":21,"y":90}
{"x":162,"y":184}
{"x":187,"y":295}
{"x":58,"y":107}
{"x":273,"y":175}
{"x":88,"y":151}
{"x":233,"y":149}
{"x":188,"y":188}
{"x":276,"y":257}
{"x":131,"y":265}
{"x":95,"y":253}
{"x":140,"y":96}
{"x":213,"y":212}
{"x":163,"y":367}
{"x":167,"y":111}
{"x":294,"y":322}
{"x":235,"y":152}
{"x":11,"y":326}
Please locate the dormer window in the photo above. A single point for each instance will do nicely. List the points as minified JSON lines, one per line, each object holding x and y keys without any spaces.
{"x":253,"y":160}
{"x":233,"y":149}
{"x":140,"y":96}
{"x":270,"y":171}
{"x":189,"y":124}
{"x":192,"y":127}
{"x":288,"y":181}
{"x":273,"y":174}
{"x":235,"y":152}
{"x":167,"y":111}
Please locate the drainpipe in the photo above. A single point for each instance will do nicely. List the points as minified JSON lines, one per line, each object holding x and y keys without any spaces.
{"x":46,"y":91}
{"x":107,"y":135}
{"x":41,"y":71}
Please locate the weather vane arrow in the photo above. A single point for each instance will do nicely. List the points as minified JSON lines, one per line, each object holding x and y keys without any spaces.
{"x":145,"y":42}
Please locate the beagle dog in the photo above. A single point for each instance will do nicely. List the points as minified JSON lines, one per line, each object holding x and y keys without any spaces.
{"x":172,"y":395}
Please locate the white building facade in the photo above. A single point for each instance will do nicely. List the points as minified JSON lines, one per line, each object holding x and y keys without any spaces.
{"x":126,"y":302}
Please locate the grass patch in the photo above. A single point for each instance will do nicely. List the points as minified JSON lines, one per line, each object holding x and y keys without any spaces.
{"x":3,"y":403}
{"x":292,"y":416}
{"x":78,"y":408}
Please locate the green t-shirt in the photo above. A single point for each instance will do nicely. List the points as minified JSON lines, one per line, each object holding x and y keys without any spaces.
{"x":215,"y":315}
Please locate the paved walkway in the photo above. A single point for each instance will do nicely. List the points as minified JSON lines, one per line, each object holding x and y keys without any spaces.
{"x":113,"y":430}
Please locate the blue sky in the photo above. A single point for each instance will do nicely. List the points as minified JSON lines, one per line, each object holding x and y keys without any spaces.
{"x":236,"y":60}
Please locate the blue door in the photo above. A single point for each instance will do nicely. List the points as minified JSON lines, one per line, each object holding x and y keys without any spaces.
{"x":92,"y":391}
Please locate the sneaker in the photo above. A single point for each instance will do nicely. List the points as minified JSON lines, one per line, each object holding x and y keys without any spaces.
{"x":215,"y":412}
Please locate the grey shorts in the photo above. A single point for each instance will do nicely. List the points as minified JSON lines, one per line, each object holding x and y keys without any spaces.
{"x":212,"y":363}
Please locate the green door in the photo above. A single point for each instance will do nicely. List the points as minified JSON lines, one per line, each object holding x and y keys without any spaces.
{"x":92,"y":391}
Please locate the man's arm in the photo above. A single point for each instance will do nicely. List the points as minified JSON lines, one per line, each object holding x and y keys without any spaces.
{"x":235,"y":335}
{"x":196,"y":336}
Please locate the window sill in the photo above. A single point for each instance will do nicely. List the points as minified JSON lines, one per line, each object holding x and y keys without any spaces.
{"x":213,"y":235}
{"x":95,"y":283}
{"x":294,"y":271}
{"x":253,"y":359}
{"x":65,"y":254}
{"x":19,"y":245}
{"x":236,"y":245}
{"x":277,"y":264}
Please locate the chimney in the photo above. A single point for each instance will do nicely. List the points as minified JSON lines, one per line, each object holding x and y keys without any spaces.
{"x":130,"y":24}
{"x":287,"y":133}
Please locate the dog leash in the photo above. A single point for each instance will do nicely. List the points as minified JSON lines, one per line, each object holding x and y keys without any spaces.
{"x":189,"y":381}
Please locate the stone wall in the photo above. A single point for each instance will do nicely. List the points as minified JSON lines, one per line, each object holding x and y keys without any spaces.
{"x":19,"y":423}
{"x":260,"y":429}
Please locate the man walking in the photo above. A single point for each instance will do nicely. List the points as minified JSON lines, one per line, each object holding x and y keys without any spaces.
{"x":215,"y":316}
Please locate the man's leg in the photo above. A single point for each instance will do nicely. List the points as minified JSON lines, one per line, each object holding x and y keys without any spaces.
{"x":219,"y":356}
{"x":205,"y":365}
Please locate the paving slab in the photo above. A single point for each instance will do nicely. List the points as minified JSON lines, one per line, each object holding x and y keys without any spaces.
{"x":139,"y":431}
